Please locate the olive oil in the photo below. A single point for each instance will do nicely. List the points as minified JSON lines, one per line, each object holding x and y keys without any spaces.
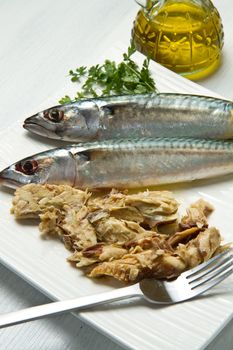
{"x":184,"y":36}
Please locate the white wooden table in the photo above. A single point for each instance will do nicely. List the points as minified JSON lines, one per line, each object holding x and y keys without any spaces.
{"x":39,"y":42}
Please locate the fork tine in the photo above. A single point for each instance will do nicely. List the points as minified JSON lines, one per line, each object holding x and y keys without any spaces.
{"x":215,"y":267}
{"x":204,"y":287}
{"x":211,"y":275}
{"x":204,"y":265}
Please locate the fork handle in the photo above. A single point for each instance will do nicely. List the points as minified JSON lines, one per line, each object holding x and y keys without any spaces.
{"x":59,"y":307}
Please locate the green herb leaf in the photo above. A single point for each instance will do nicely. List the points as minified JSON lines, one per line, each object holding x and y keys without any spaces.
{"x":111,"y":78}
{"x":64,"y":100}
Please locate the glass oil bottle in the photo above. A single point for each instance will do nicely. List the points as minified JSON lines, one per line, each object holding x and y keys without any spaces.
{"x":185,"y":36}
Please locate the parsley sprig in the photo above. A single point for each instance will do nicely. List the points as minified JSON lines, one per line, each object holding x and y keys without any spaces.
{"x":111,"y":78}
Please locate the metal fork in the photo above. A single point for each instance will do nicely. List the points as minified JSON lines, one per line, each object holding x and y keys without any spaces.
{"x":188,"y":285}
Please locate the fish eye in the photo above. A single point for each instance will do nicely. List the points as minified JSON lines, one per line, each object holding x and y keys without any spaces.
{"x":54,"y":116}
{"x":28,"y":167}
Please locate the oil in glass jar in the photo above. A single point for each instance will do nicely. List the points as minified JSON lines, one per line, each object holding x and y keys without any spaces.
{"x":185,"y":36}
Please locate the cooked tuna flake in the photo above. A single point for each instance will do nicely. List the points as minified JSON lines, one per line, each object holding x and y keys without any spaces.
{"x":126,"y":236}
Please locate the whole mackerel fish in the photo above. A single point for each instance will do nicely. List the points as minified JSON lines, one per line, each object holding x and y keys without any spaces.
{"x":134,"y":116}
{"x":124,"y":163}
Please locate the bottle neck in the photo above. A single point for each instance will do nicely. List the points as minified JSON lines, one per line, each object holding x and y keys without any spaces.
{"x":152,"y":6}
{"x":148,"y":4}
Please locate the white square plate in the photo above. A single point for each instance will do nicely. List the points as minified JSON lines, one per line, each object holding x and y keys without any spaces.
{"x":133,"y":324}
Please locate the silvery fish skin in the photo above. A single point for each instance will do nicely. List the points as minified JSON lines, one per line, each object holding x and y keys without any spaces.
{"x":134,"y":116}
{"x":124,"y":163}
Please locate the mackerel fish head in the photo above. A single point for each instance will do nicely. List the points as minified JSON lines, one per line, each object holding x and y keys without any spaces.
{"x":76,"y":121}
{"x":56,"y":166}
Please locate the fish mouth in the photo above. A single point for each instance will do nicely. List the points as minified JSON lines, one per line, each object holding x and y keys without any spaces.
{"x":6,"y":180}
{"x":28,"y":124}
{"x":38,"y":129}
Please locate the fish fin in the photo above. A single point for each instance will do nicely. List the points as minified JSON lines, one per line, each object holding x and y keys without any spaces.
{"x":85,"y":156}
{"x":113,"y":108}
{"x":89,"y":154}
